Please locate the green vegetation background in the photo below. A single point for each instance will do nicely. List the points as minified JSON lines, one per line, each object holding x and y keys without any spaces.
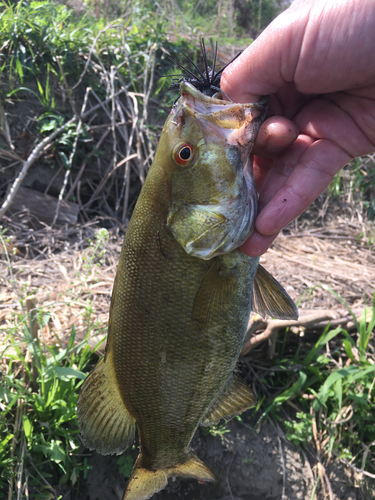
{"x":45,"y":46}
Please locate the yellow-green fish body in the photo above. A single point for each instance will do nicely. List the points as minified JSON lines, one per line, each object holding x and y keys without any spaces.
{"x":182,"y":296}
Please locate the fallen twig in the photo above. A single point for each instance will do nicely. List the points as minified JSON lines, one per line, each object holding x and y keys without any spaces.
{"x":84,"y":163}
{"x":272,"y":326}
{"x":27,"y":164}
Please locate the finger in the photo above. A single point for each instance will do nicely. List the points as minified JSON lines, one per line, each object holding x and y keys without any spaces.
{"x":314,"y":172}
{"x":257,"y":244}
{"x":268,"y":63}
{"x":283,"y":166}
{"x":275,"y":134}
{"x":235,"y":79}
{"x":261,"y":169}
{"x":268,"y":183}
{"x":345,"y":120}
{"x":295,"y":186}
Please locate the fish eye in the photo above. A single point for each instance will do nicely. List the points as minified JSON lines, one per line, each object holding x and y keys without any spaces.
{"x":183,"y":154}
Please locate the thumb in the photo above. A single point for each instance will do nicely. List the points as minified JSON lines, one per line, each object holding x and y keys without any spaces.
{"x":268,"y":63}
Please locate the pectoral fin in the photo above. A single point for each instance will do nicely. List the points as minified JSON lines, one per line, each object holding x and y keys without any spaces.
{"x":213,"y":292}
{"x":269,"y":297}
{"x":236,"y":398}
{"x":105,"y":423}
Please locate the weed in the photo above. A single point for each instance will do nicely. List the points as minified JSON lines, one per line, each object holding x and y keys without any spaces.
{"x":300,"y":431}
{"x":49,"y":421}
{"x":356,"y":183}
{"x":126,"y":463}
{"x":217,"y":430}
{"x":39,"y":385}
{"x":334,"y":389}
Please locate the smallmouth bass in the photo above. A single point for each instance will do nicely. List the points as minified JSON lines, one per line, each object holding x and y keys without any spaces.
{"x":182,"y":296}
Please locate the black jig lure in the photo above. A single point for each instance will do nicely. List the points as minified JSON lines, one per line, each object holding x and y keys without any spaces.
{"x":207,"y":82}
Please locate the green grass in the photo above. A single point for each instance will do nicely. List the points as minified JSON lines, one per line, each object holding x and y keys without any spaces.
{"x":323,"y":393}
{"x":332,"y":384}
{"x":50,"y":59}
{"x":39,"y":385}
{"x":354,"y":185}
{"x":45,"y":45}
{"x":45,"y":51}
{"x":46,"y":443}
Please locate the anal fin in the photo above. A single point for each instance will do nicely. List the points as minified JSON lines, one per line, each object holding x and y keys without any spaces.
{"x":105,"y":423}
{"x":235,"y":399}
{"x":269,"y":297}
{"x":143,"y":483}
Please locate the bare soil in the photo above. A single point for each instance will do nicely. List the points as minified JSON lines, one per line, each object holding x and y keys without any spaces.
{"x":249,"y":465}
{"x":51,"y":263}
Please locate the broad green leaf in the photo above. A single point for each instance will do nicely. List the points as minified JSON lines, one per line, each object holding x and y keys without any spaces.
{"x":67,"y":373}
{"x":338,"y":392}
{"x":297,"y":386}
{"x":27,"y":427}
{"x":361,"y":373}
{"x":331,"y":380}
{"x":125,"y":463}
{"x":19,"y":69}
{"x":40,"y":88}
{"x":348,"y":349}
{"x":4,"y":442}
{"x":57,"y":452}
{"x":326,"y":337}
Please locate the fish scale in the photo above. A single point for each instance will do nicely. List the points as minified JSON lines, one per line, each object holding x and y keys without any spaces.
{"x":182,"y":297}
{"x":190,"y":338}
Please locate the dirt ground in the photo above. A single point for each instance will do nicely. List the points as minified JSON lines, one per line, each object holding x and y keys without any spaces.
{"x":250,"y":463}
{"x":51,"y":263}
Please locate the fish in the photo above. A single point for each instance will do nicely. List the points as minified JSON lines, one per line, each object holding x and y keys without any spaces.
{"x":182,"y":296}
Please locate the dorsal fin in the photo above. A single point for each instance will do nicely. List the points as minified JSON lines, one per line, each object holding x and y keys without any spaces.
{"x":269,"y":297}
{"x":235,"y":399}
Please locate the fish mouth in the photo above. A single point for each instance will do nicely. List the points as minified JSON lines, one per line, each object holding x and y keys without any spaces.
{"x":208,"y":228}
{"x":236,"y":123}
{"x":187,"y":88}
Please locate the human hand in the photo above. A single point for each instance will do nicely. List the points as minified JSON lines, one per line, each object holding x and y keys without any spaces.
{"x":317,"y":62}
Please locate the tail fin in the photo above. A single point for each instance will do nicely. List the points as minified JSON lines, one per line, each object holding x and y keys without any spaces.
{"x":143,"y":483}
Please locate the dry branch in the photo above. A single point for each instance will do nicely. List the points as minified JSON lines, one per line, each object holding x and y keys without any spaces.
{"x":269,"y":328}
{"x":62,"y":190}
{"x":126,"y":150}
{"x":92,"y":50}
{"x":27,"y":164}
{"x":31,"y":304}
{"x":84,"y":163}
